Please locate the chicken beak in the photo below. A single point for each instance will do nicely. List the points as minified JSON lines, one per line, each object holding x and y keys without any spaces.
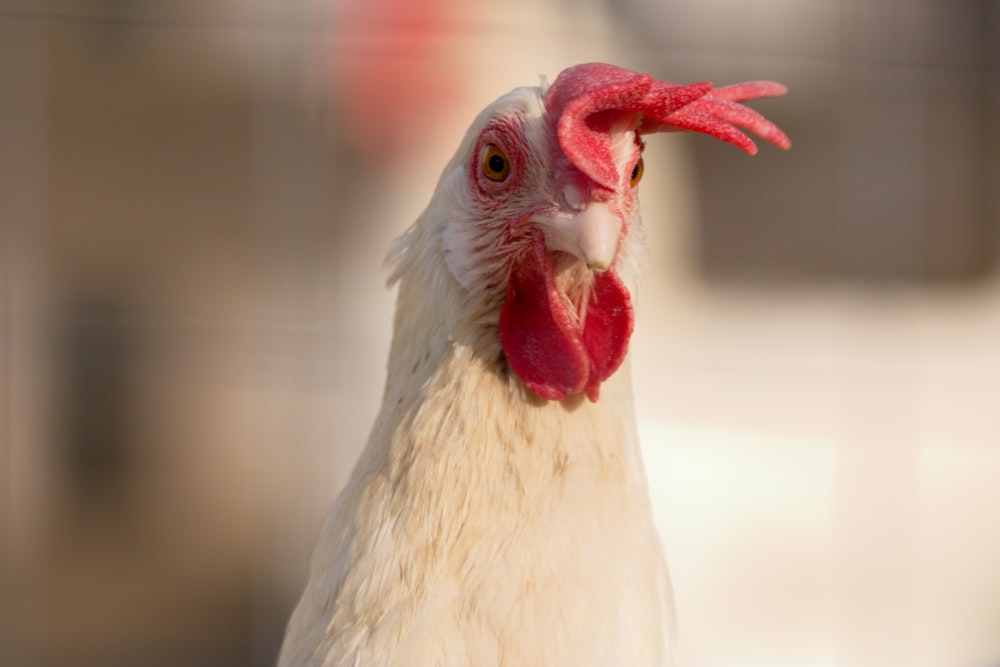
{"x":590,"y":234}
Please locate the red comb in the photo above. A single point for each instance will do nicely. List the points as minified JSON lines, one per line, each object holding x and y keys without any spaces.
{"x":582,"y":95}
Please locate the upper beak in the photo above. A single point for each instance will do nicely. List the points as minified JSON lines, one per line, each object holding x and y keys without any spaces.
{"x":591,"y":234}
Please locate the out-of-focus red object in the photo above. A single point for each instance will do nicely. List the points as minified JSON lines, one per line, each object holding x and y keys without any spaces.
{"x":390,"y":70}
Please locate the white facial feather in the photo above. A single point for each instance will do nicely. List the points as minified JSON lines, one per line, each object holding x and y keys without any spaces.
{"x":472,"y":242}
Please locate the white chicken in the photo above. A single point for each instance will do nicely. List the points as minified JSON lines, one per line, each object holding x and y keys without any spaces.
{"x":499,"y":514}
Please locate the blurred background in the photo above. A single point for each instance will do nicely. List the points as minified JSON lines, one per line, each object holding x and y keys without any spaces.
{"x":195,"y":199}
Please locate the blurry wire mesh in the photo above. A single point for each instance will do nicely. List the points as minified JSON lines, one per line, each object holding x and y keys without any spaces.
{"x":194,"y":200}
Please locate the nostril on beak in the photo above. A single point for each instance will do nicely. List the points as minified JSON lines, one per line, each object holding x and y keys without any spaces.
{"x":590,"y":234}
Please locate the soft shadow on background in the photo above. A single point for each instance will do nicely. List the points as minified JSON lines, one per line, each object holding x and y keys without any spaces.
{"x":195,"y":199}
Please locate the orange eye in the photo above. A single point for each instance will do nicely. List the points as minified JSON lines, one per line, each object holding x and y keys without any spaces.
{"x":494,"y":163}
{"x":637,"y":172}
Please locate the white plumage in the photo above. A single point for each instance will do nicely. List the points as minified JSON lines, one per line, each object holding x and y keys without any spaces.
{"x":484,"y":524}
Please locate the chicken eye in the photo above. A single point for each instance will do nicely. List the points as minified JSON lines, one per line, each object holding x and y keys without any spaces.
{"x":637,"y":172}
{"x":494,"y":163}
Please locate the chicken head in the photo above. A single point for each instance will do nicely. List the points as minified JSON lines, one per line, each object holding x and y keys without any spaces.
{"x":544,"y":217}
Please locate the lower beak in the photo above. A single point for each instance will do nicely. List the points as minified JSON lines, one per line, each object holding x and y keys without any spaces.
{"x":591,"y":234}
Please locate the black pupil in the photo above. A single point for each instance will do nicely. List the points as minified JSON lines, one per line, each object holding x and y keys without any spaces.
{"x":496,"y":163}
{"x":635,"y":171}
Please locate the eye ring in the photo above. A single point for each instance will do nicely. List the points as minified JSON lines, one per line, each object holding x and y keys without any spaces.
{"x":494,"y":163}
{"x":637,"y":172}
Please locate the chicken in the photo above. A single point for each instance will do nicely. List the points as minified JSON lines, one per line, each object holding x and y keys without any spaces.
{"x":499,"y":513}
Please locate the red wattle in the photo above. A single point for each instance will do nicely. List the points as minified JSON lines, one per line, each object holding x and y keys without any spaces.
{"x":536,"y":332}
{"x":607,"y":329}
{"x":551,"y":355}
